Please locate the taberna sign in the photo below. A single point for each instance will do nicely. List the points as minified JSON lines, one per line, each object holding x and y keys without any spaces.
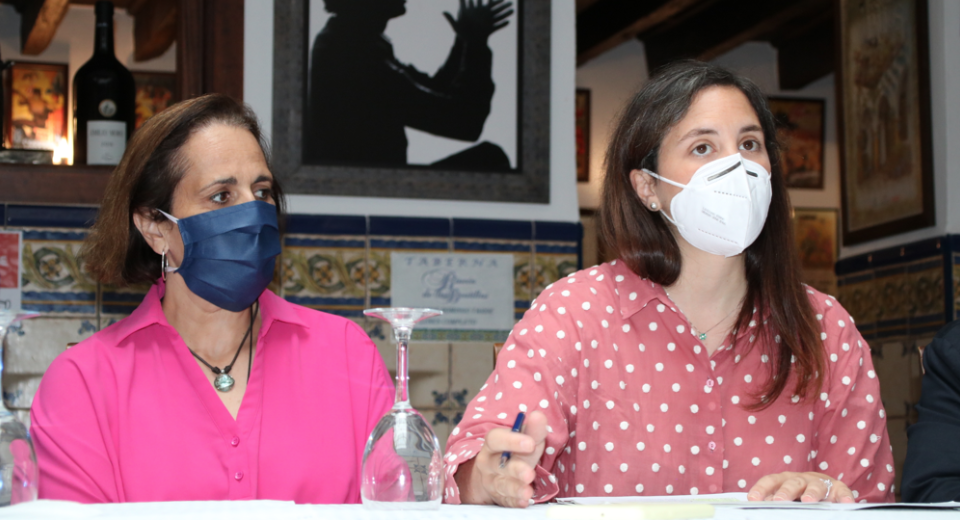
{"x":474,"y":290}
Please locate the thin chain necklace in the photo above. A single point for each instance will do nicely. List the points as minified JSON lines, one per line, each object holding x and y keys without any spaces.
{"x":224,"y":381}
{"x":702,"y":336}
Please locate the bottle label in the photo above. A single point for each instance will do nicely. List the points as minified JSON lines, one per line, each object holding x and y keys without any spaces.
{"x":107,"y":108}
{"x":106,"y":141}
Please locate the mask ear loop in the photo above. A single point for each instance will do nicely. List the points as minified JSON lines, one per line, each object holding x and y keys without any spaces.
{"x":164,"y":268}
{"x":668,"y":181}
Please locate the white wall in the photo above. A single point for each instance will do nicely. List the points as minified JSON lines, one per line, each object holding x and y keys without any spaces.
{"x":612,"y":78}
{"x":258,"y":92}
{"x":73,"y":43}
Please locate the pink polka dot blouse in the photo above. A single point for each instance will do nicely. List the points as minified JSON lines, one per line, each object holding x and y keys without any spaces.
{"x":635,"y":406}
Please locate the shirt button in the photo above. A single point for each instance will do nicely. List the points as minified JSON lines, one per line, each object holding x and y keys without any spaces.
{"x":713,"y":488}
{"x":712,"y":406}
{"x":238,"y":475}
{"x":712,"y":445}
{"x":709,"y":382}
{"x":235,"y":441}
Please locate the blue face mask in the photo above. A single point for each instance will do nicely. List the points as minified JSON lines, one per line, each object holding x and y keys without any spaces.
{"x":229,"y":254}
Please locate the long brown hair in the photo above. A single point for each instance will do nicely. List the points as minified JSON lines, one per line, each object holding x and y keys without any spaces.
{"x":645,"y":243}
{"x":152,"y":166}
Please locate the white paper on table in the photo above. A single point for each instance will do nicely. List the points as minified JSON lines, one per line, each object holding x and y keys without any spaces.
{"x":739,"y":501}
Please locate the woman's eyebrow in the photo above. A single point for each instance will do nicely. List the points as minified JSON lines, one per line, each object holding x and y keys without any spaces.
{"x":263,"y":178}
{"x":697,"y":132}
{"x":232,"y":181}
{"x":751,"y":128}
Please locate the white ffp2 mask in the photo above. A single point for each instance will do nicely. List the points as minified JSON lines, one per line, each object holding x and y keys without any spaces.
{"x":724,"y":206}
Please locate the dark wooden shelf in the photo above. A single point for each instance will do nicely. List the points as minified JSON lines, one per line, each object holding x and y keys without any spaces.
{"x":50,"y":184}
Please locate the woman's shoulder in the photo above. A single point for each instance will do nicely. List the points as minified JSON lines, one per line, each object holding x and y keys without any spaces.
{"x":590,"y":282}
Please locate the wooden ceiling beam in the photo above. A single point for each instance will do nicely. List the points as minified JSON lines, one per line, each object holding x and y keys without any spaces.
{"x":807,"y":56}
{"x":154,"y":27}
{"x":606,"y":24}
{"x":723,"y":26}
{"x":39,"y":20}
{"x":769,"y":27}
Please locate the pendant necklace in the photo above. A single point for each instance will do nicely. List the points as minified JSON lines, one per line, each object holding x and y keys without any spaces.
{"x":702,"y":336}
{"x":224,"y":381}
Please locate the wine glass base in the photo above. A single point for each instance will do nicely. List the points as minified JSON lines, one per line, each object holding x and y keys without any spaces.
{"x":403,"y":506}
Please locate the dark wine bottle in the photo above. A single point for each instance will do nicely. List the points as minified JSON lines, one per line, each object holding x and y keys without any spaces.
{"x":103,"y":99}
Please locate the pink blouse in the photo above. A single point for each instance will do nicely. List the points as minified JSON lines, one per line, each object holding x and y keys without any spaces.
{"x":635,"y":406}
{"x":128,"y":416}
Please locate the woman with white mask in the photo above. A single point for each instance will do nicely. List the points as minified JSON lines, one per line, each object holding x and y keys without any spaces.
{"x":697,"y":362}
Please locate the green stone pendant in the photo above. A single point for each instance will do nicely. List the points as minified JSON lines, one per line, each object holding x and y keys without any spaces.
{"x":702,"y":336}
{"x":223,"y":382}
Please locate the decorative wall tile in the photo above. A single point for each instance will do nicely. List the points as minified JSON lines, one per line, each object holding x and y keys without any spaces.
{"x":523,"y":272}
{"x":897,"y":365}
{"x":54,"y":282}
{"x":553,"y":261}
{"x":471,"y":365}
{"x":429,"y":370}
{"x":442,"y":423}
{"x":30,"y":346}
{"x":117,"y":302}
{"x":897,"y":430}
{"x":326,"y":273}
{"x":379,"y":264}
{"x":857,"y":294}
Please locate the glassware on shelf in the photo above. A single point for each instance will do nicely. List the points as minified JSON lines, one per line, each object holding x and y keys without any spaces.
{"x":402,"y":462}
{"x":18,"y":462}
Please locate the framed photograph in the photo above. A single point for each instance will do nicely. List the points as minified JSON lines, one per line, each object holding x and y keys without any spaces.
{"x":426,"y":106}
{"x":155,"y":92}
{"x":800,"y":128}
{"x":35,"y":105}
{"x":883,"y":89}
{"x":816,"y":233}
{"x":582,"y":125}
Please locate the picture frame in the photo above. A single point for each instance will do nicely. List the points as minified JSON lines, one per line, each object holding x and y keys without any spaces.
{"x":582,"y":127}
{"x":883,"y":94}
{"x":529,"y":182}
{"x":800,"y":129}
{"x":35,"y":105}
{"x":817,"y":231}
{"x":156,"y":91}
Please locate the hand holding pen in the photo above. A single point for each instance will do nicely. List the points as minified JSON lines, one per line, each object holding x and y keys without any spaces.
{"x":482,"y":480}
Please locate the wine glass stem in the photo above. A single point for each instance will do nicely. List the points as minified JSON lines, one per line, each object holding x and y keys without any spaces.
{"x":402,"y":335}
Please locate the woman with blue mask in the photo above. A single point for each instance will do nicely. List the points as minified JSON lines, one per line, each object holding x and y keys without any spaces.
{"x":214,"y":388}
{"x":696,"y":362}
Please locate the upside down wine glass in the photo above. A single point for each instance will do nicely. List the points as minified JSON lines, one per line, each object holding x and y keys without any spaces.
{"x":402,"y":464}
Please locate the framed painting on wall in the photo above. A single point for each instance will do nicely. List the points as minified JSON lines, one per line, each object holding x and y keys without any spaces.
{"x":582,"y":127}
{"x":815,"y":231}
{"x":800,"y":128}
{"x":883,"y":89}
{"x":35,"y":105}
{"x":155,"y":92}
{"x":444,"y":100}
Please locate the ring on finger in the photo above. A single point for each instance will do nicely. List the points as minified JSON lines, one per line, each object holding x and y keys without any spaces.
{"x":829,"y":483}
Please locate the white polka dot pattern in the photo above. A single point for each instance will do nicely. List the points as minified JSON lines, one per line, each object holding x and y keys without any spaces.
{"x":646,"y":381}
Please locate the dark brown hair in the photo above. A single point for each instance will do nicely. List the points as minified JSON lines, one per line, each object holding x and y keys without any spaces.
{"x":149,"y":172}
{"x":644,"y":242}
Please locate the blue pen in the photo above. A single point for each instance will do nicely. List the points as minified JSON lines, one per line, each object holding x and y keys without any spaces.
{"x":517,"y":425}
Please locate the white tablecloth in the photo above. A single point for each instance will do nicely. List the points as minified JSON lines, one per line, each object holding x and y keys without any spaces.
{"x":273,"y":510}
